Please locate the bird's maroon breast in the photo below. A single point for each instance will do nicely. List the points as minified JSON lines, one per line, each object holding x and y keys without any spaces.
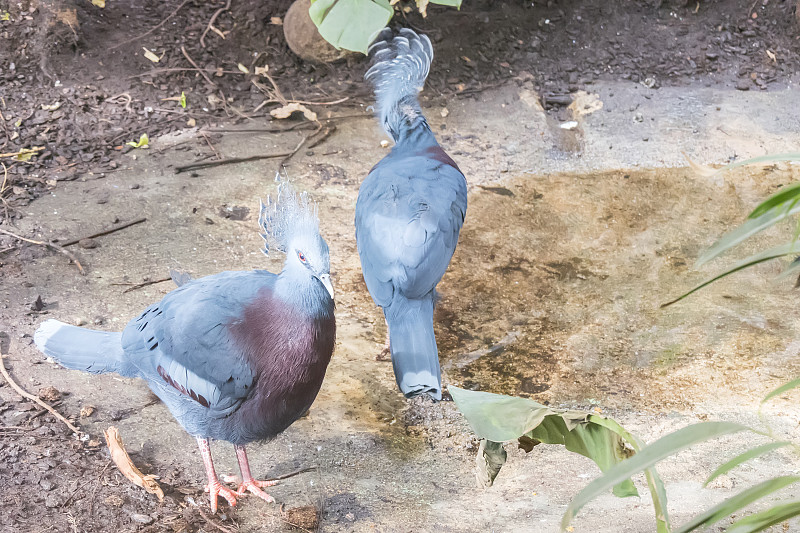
{"x":289,"y":351}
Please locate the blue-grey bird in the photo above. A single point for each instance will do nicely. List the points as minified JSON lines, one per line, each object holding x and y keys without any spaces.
{"x":235,"y":356}
{"x":409,"y":212}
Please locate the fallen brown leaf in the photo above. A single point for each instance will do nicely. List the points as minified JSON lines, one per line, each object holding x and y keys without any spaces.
{"x":126,"y":466}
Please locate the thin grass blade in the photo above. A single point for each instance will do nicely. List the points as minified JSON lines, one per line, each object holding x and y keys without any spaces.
{"x":664,"y":447}
{"x":737,"y":502}
{"x":746,"y":456}
{"x":767,"y":255}
{"x":780,"y":390}
{"x":764,"y":519}
{"x":786,"y":194}
{"x":747,"y":230}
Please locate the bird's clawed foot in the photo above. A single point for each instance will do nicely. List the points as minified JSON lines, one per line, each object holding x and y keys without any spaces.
{"x":218,"y":489}
{"x":385,"y":355}
{"x":254,"y":486}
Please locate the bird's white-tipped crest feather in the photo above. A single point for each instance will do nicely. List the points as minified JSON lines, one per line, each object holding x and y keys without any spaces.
{"x":287,"y":216}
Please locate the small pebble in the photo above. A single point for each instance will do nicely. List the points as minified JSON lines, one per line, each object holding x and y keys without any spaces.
{"x":135,"y":186}
{"x":87,"y":243}
{"x":742,"y":85}
{"x":142,"y":518}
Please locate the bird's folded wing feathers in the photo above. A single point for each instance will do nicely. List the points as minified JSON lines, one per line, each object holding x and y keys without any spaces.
{"x":183,"y":343}
{"x":407,"y":232}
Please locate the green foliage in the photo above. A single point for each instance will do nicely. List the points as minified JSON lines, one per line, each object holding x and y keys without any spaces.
{"x":354,"y":24}
{"x":683,"y":438}
{"x":497,"y":418}
{"x":778,"y":207}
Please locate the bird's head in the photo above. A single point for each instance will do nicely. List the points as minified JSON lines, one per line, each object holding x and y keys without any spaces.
{"x":290,"y":224}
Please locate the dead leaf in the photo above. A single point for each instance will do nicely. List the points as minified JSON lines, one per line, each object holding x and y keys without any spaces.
{"x":701,"y":170}
{"x":51,"y":107}
{"x":584,"y":103}
{"x":287,"y":110}
{"x":277,"y":21}
{"x":422,"y":5}
{"x":150,"y":55}
{"x":772,"y":56}
{"x":243,"y":69}
{"x":87,"y":410}
{"x":191,"y":123}
{"x":99,"y":3}
{"x":126,"y":466}
{"x":261,"y":71}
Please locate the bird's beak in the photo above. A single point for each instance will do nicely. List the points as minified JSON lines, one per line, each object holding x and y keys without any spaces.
{"x":326,"y":280}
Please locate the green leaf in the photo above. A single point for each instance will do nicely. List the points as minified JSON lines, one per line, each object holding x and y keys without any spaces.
{"x":182,"y":101}
{"x":664,"y":447}
{"x":780,"y":390}
{"x":786,"y":194}
{"x":658,"y":493}
{"x":453,"y":3}
{"x":143,"y":142}
{"x":772,"y":253}
{"x":501,"y":418}
{"x":350,"y":24}
{"x":739,"y":501}
{"x":764,"y":519}
{"x":747,"y":230}
{"x":746,"y":456}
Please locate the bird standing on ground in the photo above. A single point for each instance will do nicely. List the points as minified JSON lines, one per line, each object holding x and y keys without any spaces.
{"x":236,"y":356}
{"x":409,"y":212}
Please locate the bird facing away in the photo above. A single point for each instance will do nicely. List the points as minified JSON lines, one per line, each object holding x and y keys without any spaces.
{"x":235,"y":356}
{"x":409,"y":212}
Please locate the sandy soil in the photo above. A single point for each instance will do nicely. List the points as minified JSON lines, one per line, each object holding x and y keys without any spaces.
{"x":573,"y":238}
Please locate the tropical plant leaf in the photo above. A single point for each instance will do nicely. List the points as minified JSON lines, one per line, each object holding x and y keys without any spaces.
{"x":501,"y":418}
{"x":766,"y":255}
{"x":350,"y":24}
{"x":739,"y":501}
{"x":453,"y":3}
{"x":746,"y":456}
{"x":648,"y":456}
{"x":747,"y":230}
{"x":780,"y":390}
{"x":764,"y":519}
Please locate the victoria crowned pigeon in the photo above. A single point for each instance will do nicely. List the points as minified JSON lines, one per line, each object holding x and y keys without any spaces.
{"x":409,"y":212}
{"x":235,"y":356}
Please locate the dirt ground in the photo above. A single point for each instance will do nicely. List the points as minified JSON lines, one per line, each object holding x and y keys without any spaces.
{"x":573,"y":238}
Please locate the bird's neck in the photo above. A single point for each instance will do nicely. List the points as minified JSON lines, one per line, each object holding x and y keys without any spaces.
{"x":303,"y":291}
{"x":415,"y":133}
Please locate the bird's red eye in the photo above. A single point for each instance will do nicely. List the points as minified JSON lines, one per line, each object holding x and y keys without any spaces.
{"x":301,"y":257}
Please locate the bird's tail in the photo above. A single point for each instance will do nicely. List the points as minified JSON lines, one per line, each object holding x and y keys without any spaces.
{"x":83,"y":349}
{"x":415,"y":357}
{"x":400,"y":65}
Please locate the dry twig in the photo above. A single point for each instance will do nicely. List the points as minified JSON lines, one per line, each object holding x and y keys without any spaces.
{"x":154,"y":28}
{"x":144,"y":284}
{"x":112,"y":229}
{"x":35,"y":399}
{"x":214,"y":523}
{"x":50,"y":245}
{"x":211,"y":26}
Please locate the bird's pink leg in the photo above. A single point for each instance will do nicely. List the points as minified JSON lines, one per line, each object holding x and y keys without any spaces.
{"x":214,"y":487}
{"x":248,"y":483}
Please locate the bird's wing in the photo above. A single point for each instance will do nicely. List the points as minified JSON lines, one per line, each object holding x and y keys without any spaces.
{"x":183,"y":342}
{"x":408,"y":216}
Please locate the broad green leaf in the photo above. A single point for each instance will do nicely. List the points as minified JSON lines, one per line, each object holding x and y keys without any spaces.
{"x":746,"y":456}
{"x":664,"y":447}
{"x":764,"y":519}
{"x":737,"y":502}
{"x":780,"y":390}
{"x":350,"y":24}
{"x":786,"y":194}
{"x":747,"y":230}
{"x":772,"y":253}
{"x":501,"y":418}
{"x":453,"y":3}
